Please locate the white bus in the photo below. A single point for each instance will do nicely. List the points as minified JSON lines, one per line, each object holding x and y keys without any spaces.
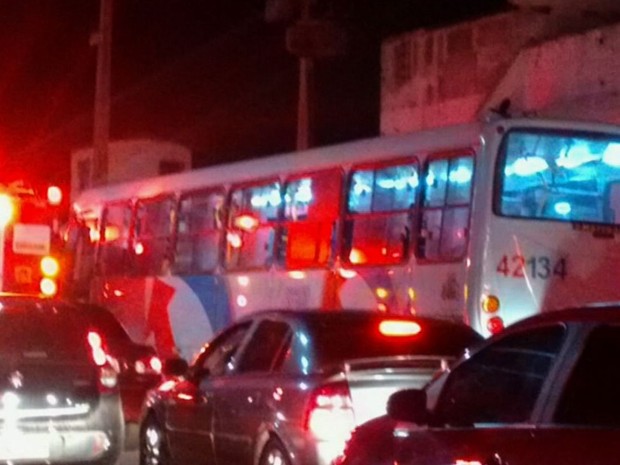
{"x":484,"y":223}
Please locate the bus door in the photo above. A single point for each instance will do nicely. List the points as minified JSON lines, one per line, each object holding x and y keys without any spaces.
{"x":308,"y":240}
{"x":381,"y":208}
{"x":440,"y":279}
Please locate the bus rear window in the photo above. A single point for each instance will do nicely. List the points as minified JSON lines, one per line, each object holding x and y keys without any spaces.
{"x":560,"y":175}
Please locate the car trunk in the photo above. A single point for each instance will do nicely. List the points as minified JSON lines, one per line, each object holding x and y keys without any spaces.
{"x":44,"y":385}
{"x":372,"y":381}
{"x":46,"y":365}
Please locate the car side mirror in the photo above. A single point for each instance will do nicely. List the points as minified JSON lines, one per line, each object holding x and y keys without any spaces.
{"x":175,"y":367}
{"x":408,"y":405}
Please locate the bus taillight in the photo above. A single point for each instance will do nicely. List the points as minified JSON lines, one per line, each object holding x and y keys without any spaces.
{"x":495,"y":325}
{"x":490,"y":304}
{"x":48,"y":287}
{"x":54,"y":195}
{"x":49,"y":266}
{"x":7,"y":210}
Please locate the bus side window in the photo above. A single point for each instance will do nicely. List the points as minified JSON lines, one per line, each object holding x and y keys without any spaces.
{"x":253,"y":219}
{"x":445,"y":208}
{"x":153,"y":228}
{"x":113,"y":258}
{"x":380,"y":205}
{"x":612,"y":203}
{"x":311,"y":208}
{"x":200,"y":229}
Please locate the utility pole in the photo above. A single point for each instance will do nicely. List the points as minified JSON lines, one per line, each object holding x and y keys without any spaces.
{"x":101,"y":131}
{"x":308,"y":38}
{"x":306,"y":97}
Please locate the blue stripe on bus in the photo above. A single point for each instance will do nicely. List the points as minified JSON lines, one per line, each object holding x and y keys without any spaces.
{"x":214,"y":297}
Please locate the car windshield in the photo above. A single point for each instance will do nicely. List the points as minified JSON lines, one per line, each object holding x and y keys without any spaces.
{"x":364,"y":340}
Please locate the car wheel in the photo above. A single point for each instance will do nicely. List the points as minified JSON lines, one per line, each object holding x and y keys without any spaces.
{"x":153,"y":450}
{"x":274,"y":453}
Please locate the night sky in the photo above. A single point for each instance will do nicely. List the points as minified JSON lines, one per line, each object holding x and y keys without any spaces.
{"x":210,"y":74}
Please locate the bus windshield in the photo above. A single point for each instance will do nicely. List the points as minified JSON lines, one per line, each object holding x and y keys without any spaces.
{"x":560,"y":175}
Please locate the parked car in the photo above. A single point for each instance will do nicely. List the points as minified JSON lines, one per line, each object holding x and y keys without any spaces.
{"x":287,"y":387}
{"x":59,"y":397}
{"x":138,"y":365}
{"x":545,"y":391}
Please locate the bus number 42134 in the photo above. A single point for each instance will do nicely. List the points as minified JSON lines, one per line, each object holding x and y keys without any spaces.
{"x":535,"y":267}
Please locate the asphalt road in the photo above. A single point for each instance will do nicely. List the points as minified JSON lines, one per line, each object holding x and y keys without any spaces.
{"x":130,"y":455}
{"x":129,"y":458}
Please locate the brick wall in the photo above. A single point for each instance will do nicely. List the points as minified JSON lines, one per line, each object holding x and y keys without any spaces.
{"x":539,"y":61}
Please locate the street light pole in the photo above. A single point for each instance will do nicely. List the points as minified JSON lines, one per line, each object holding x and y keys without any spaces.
{"x":101,"y":130}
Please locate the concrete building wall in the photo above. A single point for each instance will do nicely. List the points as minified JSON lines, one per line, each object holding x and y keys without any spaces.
{"x":542,"y":62}
{"x":130,"y":160}
{"x":574,"y":77}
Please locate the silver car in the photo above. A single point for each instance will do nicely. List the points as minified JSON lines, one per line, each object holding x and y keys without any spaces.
{"x":288,"y":387}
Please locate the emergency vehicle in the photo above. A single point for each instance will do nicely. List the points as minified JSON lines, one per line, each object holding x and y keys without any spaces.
{"x":31,"y":239}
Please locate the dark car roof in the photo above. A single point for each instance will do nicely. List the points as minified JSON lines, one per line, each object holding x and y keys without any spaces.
{"x":97,"y":316}
{"x":339,"y":335}
{"x":602,"y":313}
{"x":30,"y":322}
{"x":32,"y":301}
{"x":309,"y":315}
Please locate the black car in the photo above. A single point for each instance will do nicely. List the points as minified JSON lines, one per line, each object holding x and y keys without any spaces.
{"x":138,"y":366}
{"x":287,"y":387}
{"x":545,"y":391}
{"x":59,"y":396}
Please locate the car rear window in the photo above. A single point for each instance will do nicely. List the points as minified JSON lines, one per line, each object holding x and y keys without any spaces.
{"x":42,"y":332}
{"x":340,"y":339}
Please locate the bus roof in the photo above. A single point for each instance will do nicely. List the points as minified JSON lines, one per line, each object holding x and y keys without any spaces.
{"x":360,"y":151}
{"x":314,"y":159}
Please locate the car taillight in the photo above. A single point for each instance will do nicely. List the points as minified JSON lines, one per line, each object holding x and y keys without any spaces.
{"x":108,"y":378}
{"x":399,"y":328}
{"x":329,"y":414}
{"x":148,"y":366}
{"x":96,"y":348}
{"x":108,"y":372}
